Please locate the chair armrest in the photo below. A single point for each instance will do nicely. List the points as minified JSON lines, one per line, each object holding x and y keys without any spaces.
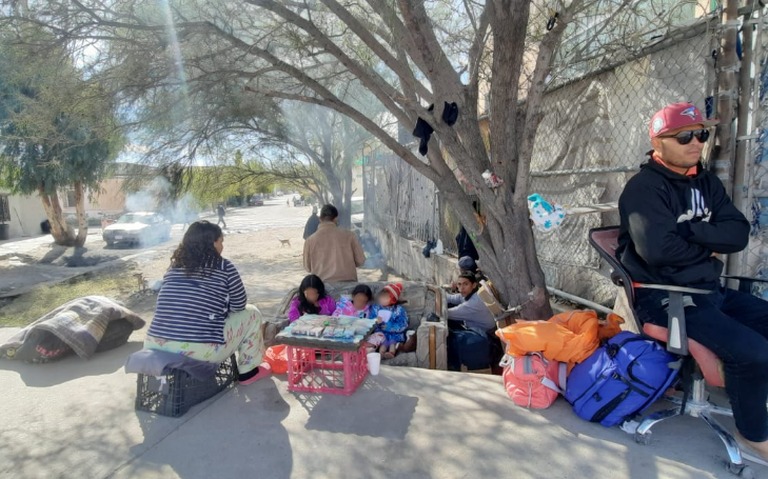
{"x":672,"y":288}
{"x":745,"y":282}
{"x":677,"y":336}
{"x":746,"y":278}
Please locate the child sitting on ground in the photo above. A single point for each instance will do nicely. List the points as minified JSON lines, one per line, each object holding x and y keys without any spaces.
{"x":391,"y":321}
{"x":357,"y":305}
{"x":311,"y":299}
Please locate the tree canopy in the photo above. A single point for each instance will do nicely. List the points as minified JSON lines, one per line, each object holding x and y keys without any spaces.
{"x":492,"y":58}
{"x":57,"y":130}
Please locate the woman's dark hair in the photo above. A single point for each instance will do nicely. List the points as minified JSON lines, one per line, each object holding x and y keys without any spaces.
{"x":196,"y":252}
{"x":363,"y":289}
{"x":310,"y":281}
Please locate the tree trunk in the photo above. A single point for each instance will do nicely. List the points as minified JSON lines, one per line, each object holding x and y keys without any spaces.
{"x":347,"y":189}
{"x":336,"y":189}
{"x":345,"y":212}
{"x":60,"y":230}
{"x":507,"y":254}
{"x":82,"y":219}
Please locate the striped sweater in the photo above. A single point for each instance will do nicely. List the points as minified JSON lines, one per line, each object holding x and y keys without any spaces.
{"x":194,"y":308}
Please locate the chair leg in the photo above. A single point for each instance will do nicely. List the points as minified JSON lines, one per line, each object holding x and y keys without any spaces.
{"x":734,"y":453}
{"x":650,"y":421}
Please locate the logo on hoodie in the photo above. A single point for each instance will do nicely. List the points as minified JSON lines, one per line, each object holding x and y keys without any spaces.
{"x":697,"y":208}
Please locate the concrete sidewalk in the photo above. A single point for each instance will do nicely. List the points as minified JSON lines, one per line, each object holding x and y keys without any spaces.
{"x":75,"y":419}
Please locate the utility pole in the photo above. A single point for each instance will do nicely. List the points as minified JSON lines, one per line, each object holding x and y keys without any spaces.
{"x":728,"y":66}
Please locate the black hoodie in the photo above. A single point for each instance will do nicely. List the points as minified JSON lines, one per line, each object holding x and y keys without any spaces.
{"x":672,"y":223}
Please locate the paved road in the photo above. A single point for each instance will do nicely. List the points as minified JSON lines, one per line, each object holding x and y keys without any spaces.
{"x":274,"y":214}
{"x":33,"y":262}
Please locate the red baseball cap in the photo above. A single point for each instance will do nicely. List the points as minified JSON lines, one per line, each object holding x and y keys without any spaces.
{"x":677,"y":115}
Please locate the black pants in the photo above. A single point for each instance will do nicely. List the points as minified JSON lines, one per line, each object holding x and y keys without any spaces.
{"x":221,"y":221}
{"x":734,"y":326}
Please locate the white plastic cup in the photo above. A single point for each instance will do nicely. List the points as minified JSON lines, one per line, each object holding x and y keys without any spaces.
{"x":374,"y":363}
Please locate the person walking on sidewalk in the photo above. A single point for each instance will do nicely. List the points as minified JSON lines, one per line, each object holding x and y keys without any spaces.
{"x":202,"y":309}
{"x":676,"y":219}
{"x":221,"y":212}
{"x":332,"y":253}
{"x":312,"y":223}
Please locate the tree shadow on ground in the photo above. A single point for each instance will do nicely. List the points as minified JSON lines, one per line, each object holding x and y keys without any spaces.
{"x":249,"y":439}
{"x":80,"y":260}
{"x":71,"y":367}
{"x":390,"y":419}
{"x":55,"y":253}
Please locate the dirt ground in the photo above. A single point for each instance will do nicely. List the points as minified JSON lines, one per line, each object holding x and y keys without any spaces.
{"x":268,"y":267}
{"x":268,"y":270}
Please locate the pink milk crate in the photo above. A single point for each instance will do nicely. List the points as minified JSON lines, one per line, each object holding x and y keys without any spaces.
{"x":319,"y":370}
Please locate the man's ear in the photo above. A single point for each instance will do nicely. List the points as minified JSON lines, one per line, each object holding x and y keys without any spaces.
{"x":656,"y":143}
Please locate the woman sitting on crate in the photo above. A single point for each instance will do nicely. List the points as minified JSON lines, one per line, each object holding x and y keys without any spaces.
{"x":201,"y":308}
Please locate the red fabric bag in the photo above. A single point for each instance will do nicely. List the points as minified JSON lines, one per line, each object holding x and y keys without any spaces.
{"x":277,"y":358}
{"x":534,"y":382}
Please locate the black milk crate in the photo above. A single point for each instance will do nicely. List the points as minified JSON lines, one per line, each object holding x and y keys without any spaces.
{"x":174,"y":393}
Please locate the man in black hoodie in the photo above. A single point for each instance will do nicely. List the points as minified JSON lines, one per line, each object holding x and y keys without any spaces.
{"x":676,"y":218}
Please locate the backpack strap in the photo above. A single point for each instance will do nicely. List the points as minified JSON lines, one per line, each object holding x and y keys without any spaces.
{"x":562,"y":370}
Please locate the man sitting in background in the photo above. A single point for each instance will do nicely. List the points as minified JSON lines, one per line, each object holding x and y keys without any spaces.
{"x":469,"y":323}
{"x":332,"y":253}
{"x":467,"y":307}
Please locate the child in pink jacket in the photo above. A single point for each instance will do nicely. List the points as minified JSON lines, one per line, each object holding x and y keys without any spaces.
{"x":357,"y":305}
{"x":311,"y":299}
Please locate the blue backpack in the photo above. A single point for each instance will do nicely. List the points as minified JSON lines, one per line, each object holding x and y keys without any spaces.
{"x":620,"y":379}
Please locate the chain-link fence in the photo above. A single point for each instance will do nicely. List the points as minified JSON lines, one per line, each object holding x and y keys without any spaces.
{"x":400,"y":199}
{"x":753,"y":262}
{"x":593,"y":137}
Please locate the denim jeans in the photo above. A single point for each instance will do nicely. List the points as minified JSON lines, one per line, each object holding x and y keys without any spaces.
{"x":734,"y":326}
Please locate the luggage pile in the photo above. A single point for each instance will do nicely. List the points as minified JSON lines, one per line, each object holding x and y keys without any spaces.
{"x":606,"y":374}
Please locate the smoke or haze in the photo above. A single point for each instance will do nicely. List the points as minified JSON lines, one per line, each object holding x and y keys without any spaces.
{"x":157,"y":197}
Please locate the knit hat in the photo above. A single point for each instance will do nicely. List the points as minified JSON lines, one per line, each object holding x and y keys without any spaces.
{"x":675,"y":116}
{"x":466,"y":263}
{"x":394,"y":290}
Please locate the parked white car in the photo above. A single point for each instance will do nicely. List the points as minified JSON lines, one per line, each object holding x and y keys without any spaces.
{"x":138,"y":228}
{"x":357,"y":206}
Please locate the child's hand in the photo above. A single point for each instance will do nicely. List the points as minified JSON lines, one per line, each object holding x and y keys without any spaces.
{"x":379,"y":320}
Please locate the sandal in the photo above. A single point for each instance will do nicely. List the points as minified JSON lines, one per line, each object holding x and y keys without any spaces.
{"x":264,"y":371}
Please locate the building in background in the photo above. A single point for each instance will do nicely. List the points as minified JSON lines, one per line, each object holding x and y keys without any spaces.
{"x":21,"y":213}
{"x":109,"y":199}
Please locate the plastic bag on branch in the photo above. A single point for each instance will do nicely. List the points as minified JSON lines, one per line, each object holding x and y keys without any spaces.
{"x":545,"y":217}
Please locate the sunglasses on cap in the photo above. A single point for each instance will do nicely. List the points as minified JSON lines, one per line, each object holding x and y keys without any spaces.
{"x":686,"y":137}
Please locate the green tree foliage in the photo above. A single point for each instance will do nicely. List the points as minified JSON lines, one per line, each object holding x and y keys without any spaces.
{"x":57,"y":130}
{"x":490,"y":57}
